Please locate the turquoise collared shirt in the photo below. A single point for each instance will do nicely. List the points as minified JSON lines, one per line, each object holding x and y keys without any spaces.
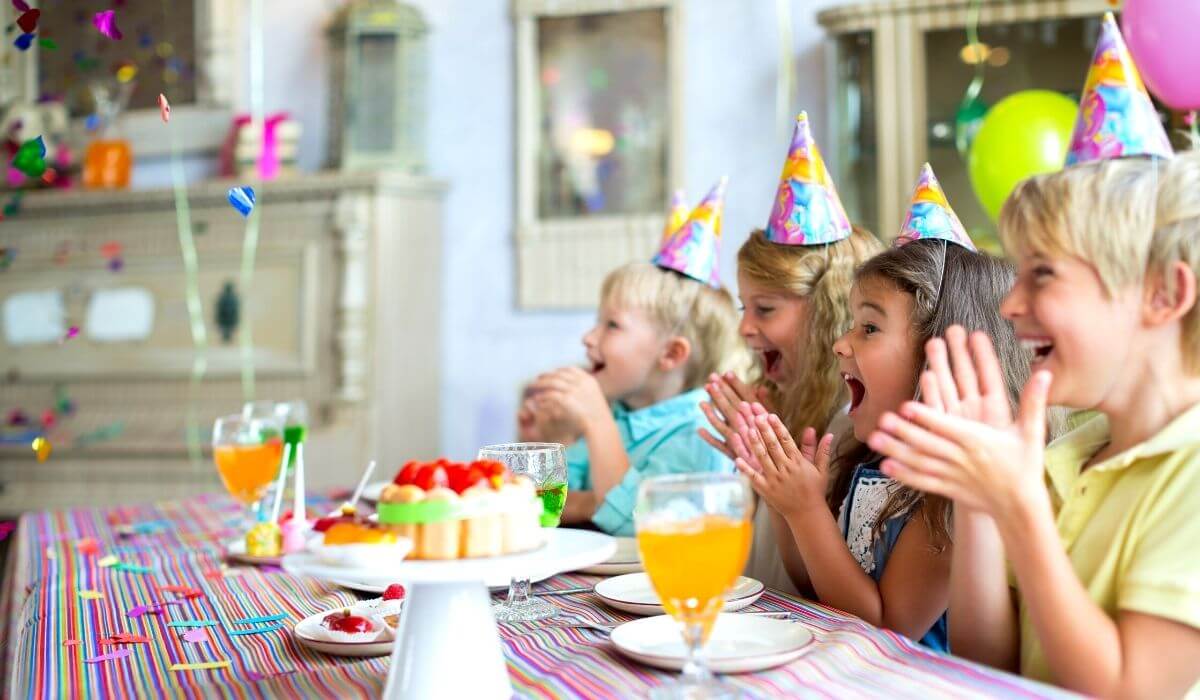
{"x":659,"y":439}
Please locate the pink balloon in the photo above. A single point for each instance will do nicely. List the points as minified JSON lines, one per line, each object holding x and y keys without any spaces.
{"x":1161,"y":35}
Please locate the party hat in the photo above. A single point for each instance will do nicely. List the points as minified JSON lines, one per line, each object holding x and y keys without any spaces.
{"x":677,"y":214}
{"x":807,"y":209}
{"x":930,"y":215}
{"x":1116,"y":117}
{"x":692,"y":249}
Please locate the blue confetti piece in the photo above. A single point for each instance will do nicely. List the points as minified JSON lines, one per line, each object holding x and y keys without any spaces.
{"x":151,"y":526}
{"x":23,"y":42}
{"x":254,"y":630}
{"x":92,"y":122}
{"x":193,"y":623}
{"x":242,"y":199}
{"x":261,"y":618}
{"x":132,"y":568}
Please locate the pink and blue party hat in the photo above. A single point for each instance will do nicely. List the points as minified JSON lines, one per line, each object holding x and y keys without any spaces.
{"x":692,"y":249}
{"x":930,"y":215}
{"x":1116,"y":117}
{"x":807,"y":209}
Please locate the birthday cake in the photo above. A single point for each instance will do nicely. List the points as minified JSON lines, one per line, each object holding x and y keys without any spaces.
{"x":454,"y":510}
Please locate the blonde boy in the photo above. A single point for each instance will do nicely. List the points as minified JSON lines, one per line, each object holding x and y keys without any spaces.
{"x":1105,"y":559}
{"x":658,"y":336}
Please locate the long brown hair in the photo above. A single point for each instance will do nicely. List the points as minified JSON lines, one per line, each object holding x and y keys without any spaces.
{"x":822,"y":275}
{"x":950,"y":285}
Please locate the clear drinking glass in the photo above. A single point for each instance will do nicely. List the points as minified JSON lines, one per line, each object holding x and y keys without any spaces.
{"x":247,"y":453}
{"x":693,"y":532}
{"x":543,"y":463}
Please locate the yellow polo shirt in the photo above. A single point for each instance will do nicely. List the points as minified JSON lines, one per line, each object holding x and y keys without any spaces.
{"x":1131,"y":525}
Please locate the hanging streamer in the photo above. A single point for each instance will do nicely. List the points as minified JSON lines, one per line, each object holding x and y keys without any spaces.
{"x":971,"y":109}
{"x":250,"y":239}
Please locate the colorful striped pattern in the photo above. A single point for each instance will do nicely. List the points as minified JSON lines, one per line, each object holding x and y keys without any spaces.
{"x":43,"y":610}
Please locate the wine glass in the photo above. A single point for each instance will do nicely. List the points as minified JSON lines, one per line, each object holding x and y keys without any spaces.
{"x":247,"y":452}
{"x":543,"y":463}
{"x":693,"y":532}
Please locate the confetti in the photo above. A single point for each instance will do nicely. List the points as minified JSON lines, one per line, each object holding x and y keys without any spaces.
{"x":92,"y":122}
{"x":111,"y":656}
{"x":132,"y":568}
{"x":255,"y":630}
{"x":28,"y":21}
{"x":31,"y":157}
{"x":126,"y":73}
{"x":192,"y":623}
{"x":175,"y":589}
{"x":259,"y":619}
{"x":71,"y":642}
{"x":253,"y":675}
{"x":42,"y":448}
{"x":196,"y":636}
{"x":106,"y":23}
{"x":71,"y":333}
{"x":91,"y":595}
{"x":115,"y":264}
{"x":17,"y":417}
{"x":124,"y":638}
{"x":48,"y":416}
{"x":47,"y":44}
{"x":20,"y":5}
{"x":164,"y":108}
{"x":208,"y":665}
{"x":139,"y":610}
{"x":111,"y":249}
{"x":108,"y":561}
{"x":242,"y":199}
{"x":23,"y":42}
{"x":87,"y":546}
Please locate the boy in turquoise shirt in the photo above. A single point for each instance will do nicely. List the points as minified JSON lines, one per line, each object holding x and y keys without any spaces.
{"x":661,"y":329}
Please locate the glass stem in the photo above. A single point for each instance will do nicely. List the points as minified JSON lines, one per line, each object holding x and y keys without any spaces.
{"x":518,"y":591}
{"x":695,"y":671}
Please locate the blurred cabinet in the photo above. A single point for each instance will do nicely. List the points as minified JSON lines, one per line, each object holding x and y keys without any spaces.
{"x":343,"y":313}
{"x":900,"y":75}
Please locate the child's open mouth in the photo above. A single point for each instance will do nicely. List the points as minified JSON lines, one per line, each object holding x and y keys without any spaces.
{"x":1041,"y":347}
{"x":771,"y":363}
{"x":858,"y":391}
{"x":597,"y":367}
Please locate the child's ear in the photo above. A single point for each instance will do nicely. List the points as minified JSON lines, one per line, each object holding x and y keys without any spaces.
{"x":1170,"y":302}
{"x":675,"y":354}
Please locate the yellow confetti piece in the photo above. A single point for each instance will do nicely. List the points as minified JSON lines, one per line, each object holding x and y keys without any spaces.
{"x":126,"y":73}
{"x":206,"y":666}
{"x":42,"y":448}
{"x":108,"y":561}
{"x":91,"y":595}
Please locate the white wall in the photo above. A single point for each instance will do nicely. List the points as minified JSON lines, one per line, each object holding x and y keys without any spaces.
{"x":489,"y":347}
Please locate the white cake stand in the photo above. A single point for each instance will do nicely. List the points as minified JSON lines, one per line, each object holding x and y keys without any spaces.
{"x":448,"y":613}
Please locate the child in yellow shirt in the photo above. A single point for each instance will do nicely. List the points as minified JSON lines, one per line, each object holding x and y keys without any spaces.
{"x":1100,"y":529}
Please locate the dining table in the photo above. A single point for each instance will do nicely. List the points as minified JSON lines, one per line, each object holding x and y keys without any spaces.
{"x":137,"y":601}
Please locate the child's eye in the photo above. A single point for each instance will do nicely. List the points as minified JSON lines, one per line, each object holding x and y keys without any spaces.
{"x":870,"y":328}
{"x":1042,"y":271}
{"x":763,"y":310}
{"x":611,"y":324}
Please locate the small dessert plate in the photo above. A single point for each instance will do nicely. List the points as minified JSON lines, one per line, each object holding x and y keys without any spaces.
{"x":625,"y":561}
{"x":310,"y":633}
{"x":739,"y":643}
{"x":235,"y":551}
{"x":635,"y":594}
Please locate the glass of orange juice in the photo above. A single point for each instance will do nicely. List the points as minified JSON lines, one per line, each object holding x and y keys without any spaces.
{"x":693,"y":532}
{"x":247,"y":451}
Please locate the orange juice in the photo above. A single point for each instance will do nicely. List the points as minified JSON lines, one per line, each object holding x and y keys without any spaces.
{"x":692,"y":563}
{"x":246,"y":470}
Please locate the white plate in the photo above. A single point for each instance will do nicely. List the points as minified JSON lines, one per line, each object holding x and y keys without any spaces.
{"x":564,"y":550}
{"x":306,"y":636}
{"x":625,"y":561}
{"x":372,"y":491}
{"x":235,"y":551}
{"x":378,"y":589}
{"x":634,"y":593}
{"x":739,"y":643}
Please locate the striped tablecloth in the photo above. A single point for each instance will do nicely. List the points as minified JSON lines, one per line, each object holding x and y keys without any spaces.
{"x":52,"y":629}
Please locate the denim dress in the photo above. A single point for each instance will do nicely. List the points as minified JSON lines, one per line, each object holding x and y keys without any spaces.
{"x":869,"y":490}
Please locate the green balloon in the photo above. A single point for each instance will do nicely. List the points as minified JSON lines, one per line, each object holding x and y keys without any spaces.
{"x":1024,"y":134}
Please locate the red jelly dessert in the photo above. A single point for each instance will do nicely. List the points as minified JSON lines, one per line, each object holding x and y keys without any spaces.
{"x":344,"y":621}
{"x":394,"y":592}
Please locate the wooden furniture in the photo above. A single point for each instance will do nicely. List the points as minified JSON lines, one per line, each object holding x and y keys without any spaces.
{"x":342,"y":309}
{"x":898,"y":78}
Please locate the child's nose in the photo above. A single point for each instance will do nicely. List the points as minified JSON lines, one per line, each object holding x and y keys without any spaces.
{"x":746,"y":327}
{"x":1014,"y":304}
{"x":841,"y":346}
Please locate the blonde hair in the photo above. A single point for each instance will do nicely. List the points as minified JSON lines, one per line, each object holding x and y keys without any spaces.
{"x":1129,"y":218}
{"x":681,"y":306}
{"x":822,"y":275}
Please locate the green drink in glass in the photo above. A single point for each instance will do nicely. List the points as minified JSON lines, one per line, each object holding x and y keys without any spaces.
{"x":554,"y":497}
